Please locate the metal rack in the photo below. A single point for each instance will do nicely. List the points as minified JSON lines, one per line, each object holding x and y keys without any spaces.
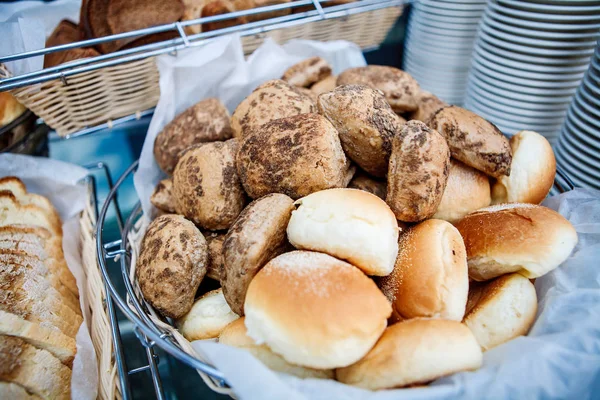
{"x":64,"y":71}
{"x":135,"y":308}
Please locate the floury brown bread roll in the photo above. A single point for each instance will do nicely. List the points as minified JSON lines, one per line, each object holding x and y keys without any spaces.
{"x":524,"y":238}
{"x":467,"y":190}
{"x":428,"y":105}
{"x":171,"y":265}
{"x":205,"y":121}
{"x":162,"y":197}
{"x":399,"y":88}
{"x":349,"y":224}
{"x":257,"y":236}
{"x":473,"y":140}
{"x":236,"y":335}
{"x":296,"y":156}
{"x":206,"y":187}
{"x":272,"y":100}
{"x":532,"y":169}
{"x":307,"y":72}
{"x":215,"y":263}
{"x":362,"y":181}
{"x":430,"y":278}
{"x":365,"y":122}
{"x":315,"y":310}
{"x":326,"y":85}
{"x":418,"y":172}
{"x":412,"y":352}
{"x":501,"y":309}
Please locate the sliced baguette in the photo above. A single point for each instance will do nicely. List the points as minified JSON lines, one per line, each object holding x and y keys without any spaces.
{"x":38,"y":267}
{"x":36,"y":370}
{"x":14,"y":213}
{"x":59,"y":345}
{"x":24,"y":293}
{"x":15,"y":392}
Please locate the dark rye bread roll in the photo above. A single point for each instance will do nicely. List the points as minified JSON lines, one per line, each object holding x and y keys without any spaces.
{"x":206,"y":187}
{"x":473,"y":140}
{"x":307,"y":72}
{"x":272,"y":100}
{"x":171,"y":265}
{"x":205,"y":121}
{"x":296,"y":156}
{"x":399,"y":88}
{"x":365,"y":122}
{"x":257,"y":236}
{"x":418,"y":172}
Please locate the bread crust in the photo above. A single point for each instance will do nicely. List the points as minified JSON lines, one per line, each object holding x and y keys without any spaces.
{"x":216,"y":263}
{"x":307,"y":72}
{"x":428,"y":105}
{"x":10,"y":108}
{"x":362,"y":181}
{"x":162,"y":197}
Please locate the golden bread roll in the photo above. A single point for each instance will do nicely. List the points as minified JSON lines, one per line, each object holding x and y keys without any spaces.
{"x":326,"y":85}
{"x":400,"y":89}
{"x":209,"y":315}
{"x":205,"y":121}
{"x":418,"y":172}
{"x":467,"y":190}
{"x":272,"y":100}
{"x":428,"y":104}
{"x":362,"y":181}
{"x":236,"y":335}
{"x":10,"y":108}
{"x":365,"y":122}
{"x":257,"y":236}
{"x":162,"y":197}
{"x":296,"y":156}
{"x":473,"y":140}
{"x":430,"y":278}
{"x":206,"y":187}
{"x":171,"y":264}
{"x":352,"y":225}
{"x":307,"y":72}
{"x":501,"y":309}
{"x":215,"y":265}
{"x":413,"y":352}
{"x":532,"y":171}
{"x":315,"y":310}
{"x":524,"y":238}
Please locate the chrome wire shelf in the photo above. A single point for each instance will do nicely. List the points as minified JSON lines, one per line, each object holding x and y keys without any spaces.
{"x":64,"y":71}
{"x":136,"y":309}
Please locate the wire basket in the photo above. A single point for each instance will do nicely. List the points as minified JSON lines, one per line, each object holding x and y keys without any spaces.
{"x":152,"y":329}
{"x":106,"y":90}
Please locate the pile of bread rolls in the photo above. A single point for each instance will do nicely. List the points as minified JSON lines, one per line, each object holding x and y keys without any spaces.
{"x":39,"y":302}
{"x":350,"y":225}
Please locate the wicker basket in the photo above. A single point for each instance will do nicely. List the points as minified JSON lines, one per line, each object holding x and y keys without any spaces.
{"x":103,"y":95}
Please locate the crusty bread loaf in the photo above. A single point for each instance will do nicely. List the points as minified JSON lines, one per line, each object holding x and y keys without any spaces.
{"x":296,"y":156}
{"x":467,"y":190}
{"x":192,"y":9}
{"x":428,"y":105}
{"x":257,"y":236}
{"x":430,"y":278}
{"x":315,"y":310}
{"x":219,"y":7}
{"x":205,"y":121}
{"x":473,"y":140}
{"x":418,"y":172}
{"x":209,"y":315}
{"x":362,"y":181}
{"x":36,"y":370}
{"x":10,"y":108}
{"x":325,"y":85}
{"x":532,"y":171}
{"x":58,"y":344}
{"x":307,"y":72}
{"x":41,"y":238}
{"x":400,"y":89}
{"x":206,"y":187}
{"x":131,"y":15}
{"x":216,"y":263}
{"x":66,"y":32}
{"x":413,"y":352}
{"x":272,"y":100}
{"x":14,"y":213}
{"x":162,"y":197}
{"x":524,"y":238}
{"x":241,"y":5}
{"x":352,"y":225}
{"x":15,"y":392}
{"x":236,"y":335}
{"x":501,"y":309}
{"x":171,"y":265}
{"x":27,"y":294}
{"x":366,"y":125}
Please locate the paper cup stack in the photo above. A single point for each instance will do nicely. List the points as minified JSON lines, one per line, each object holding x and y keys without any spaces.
{"x":578,"y":148}
{"x":439,"y":44}
{"x":528,"y":61}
